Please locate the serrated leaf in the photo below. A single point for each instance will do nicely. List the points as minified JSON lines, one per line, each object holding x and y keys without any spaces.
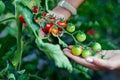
{"x":54,"y":52}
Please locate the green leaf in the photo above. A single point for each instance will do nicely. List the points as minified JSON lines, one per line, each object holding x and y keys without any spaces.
{"x":28,"y":16}
{"x":54,"y":52}
{"x":62,"y":43}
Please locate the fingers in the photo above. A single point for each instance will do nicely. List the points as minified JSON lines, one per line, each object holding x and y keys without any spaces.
{"x":79,"y":60}
{"x":100,"y":63}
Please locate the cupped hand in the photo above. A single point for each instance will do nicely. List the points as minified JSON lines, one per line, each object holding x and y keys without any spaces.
{"x":111,"y":62}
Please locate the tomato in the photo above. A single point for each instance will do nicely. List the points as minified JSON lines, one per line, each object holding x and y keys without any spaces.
{"x":86,"y":53}
{"x":21,"y":18}
{"x":62,"y":24}
{"x":2,"y":6}
{"x":70,"y":27}
{"x":96,"y":46}
{"x":53,"y":19}
{"x":35,"y":9}
{"x":91,"y":32}
{"x":81,"y":37}
{"x":76,"y":50}
{"x":44,"y":14}
{"x":53,"y":30}
{"x":47,"y":27}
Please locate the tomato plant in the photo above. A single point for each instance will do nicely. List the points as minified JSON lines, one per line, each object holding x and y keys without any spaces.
{"x":27,"y":55}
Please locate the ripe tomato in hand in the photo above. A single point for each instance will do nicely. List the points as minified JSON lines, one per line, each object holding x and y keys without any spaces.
{"x":47,"y":27}
{"x":96,"y":46}
{"x":70,"y":27}
{"x":81,"y":37}
{"x":35,"y":9}
{"x":21,"y":18}
{"x":76,"y":50}
{"x":53,"y":30}
{"x":62,"y":24}
{"x":86,"y":53}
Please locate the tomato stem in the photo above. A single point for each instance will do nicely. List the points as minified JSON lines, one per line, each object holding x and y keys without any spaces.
{"x":18,"y":55}
{"x":46,"y":5}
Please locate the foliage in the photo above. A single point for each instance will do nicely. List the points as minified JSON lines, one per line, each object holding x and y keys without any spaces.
{"x":27,"y":60}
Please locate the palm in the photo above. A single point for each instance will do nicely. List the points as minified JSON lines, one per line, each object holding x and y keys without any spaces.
{"x":112,"y":60}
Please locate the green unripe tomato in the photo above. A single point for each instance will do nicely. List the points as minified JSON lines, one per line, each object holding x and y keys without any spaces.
{"x":86,"y":53}
{"x":96,"y":47}
{"x":70,"y":27}
{"x":76,"y":50}
{"x":2,"y":7}
{"x":81,"y":37}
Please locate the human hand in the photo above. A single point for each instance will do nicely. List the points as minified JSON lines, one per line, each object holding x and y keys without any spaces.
{"x":111,"y":62}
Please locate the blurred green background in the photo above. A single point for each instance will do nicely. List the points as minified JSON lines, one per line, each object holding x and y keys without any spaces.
{"x":102,"y":16}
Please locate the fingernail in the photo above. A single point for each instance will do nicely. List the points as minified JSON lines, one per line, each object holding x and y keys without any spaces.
{"x":90,"y":60}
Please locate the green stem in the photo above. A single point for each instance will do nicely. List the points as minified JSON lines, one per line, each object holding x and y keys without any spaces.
{"x":10,"y":18}
{"x":46,"y":5}
{"x":35,"y":76}
{"x":76,"y":42}
{"x":18,"y":55}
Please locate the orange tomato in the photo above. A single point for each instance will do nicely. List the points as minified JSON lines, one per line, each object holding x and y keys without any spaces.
{"x":53,"y":30}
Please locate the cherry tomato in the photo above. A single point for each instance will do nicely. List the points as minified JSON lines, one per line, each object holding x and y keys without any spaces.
{"x":53,"y":30}
{"x":91,"y":32}
{"x":36,"y":20}
{"x":53,"y":19}
{"x":47,"y":27}
{"x":76,"y":50}
{"x":35,"y":9}
{"x":44,"y":14}
{"x":86,"y":53}
{"x":62,"y":24}
{"x":81,"y":37}
{"x":2,"y":6}
{"x":21,"y":18}
{"x":70,"y":27}
{"x":96,"y":46}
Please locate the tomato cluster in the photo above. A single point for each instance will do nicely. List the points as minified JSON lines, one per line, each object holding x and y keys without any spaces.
{"x":51,"y":25}
{"x":85,"y":52}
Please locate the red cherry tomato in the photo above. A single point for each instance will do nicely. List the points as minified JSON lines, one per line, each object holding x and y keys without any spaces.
{"x":91,"y":32}
{"x":44,"y":14}
{"x":21,"y":18}
{"x":35,"y":9}
{"x":47,"y":27}
{"x":62,"y":24}
{"x":53,"y":19}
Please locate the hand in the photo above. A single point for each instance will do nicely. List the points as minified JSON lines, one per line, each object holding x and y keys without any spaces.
{"x":111,"y":62}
